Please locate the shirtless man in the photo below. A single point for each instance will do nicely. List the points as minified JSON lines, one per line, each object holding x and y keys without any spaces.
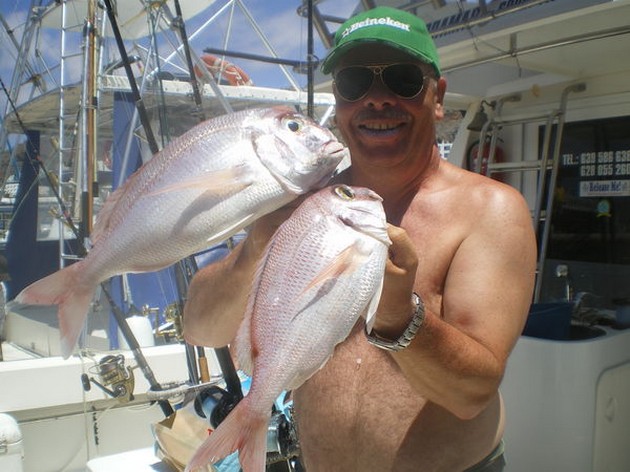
{"x":464,"y":243}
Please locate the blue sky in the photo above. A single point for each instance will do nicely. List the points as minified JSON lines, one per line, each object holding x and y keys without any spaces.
{"x":285,"y":30}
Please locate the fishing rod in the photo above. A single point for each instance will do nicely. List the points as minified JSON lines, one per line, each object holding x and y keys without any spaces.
{"x":189,"y":267}
{"x":227,"y":366}
{"x":134,"y":346}
{"x":179,"y":23}
{"x":195,"y":357}
{"x":142,"y":111}
{"x":120,"y":318}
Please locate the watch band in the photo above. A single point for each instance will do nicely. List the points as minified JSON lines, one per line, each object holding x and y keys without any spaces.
{"x":405,"y":339}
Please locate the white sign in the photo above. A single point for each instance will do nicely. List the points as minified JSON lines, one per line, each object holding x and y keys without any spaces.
{"x":605,"y":188}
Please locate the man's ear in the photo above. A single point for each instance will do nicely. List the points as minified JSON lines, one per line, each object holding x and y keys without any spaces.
{"x":439,"y":98}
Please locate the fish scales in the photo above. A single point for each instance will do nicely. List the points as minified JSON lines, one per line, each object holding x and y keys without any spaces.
{"x":203,"y":187}
{"x":322,"y":269}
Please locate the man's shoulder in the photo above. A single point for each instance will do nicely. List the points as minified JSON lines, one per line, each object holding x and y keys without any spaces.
{"x":478,"y":192}
{"x":465,"y":179}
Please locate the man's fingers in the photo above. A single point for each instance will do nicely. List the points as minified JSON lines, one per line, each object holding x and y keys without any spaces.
{"x":402,"y":252}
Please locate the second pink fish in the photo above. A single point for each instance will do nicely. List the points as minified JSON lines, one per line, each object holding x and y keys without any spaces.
{"x":322,"y":270}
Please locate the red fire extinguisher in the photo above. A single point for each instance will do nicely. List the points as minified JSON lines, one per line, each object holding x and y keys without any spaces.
{"x":473,"y":153}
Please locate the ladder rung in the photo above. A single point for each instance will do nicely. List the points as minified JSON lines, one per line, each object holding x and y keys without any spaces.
{"x":70,"y":56}
{"x":516,"y":120}
{"x":517,"y":165}
{"x":71,"y":257}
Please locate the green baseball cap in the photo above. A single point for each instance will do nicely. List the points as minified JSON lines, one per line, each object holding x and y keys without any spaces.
{"x":385,"y":25}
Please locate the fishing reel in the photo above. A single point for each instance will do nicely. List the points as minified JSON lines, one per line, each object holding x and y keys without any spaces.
{"x":115,"y":380}
{"x":282,"y":441}
{"x":172,"y":328}
{"x":215,"y":403}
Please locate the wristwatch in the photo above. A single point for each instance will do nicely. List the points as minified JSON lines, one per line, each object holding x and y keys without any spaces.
{"x":405,"y":339}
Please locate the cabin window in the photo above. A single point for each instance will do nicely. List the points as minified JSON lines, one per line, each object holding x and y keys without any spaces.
{"x":591,"y":213}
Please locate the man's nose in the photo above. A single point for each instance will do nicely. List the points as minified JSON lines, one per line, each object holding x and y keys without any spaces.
{"x":379,"y":94}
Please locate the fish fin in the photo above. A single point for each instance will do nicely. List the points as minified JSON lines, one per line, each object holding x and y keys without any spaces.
{"x":347,"y":261}
{"x":275,"y":156}
{"x":370,"y":316}
{"x":240,"y":430}
{"x":231,"y":230}
{"x":219,"y":183}
{"x":214,"y":238}
{"x":62,"y":288}
{"x":214,"y":184}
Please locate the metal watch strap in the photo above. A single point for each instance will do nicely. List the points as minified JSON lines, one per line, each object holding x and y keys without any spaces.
{"x":405,"y":339}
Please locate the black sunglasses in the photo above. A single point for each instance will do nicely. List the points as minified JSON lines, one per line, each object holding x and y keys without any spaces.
{"x":354,"y":82}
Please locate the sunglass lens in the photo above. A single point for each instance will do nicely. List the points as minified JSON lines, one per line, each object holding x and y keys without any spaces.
{"x":405,"y":80}
{"x":353,"y":82}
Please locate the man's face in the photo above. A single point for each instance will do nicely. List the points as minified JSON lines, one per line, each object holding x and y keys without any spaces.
{"x":381,"y":127}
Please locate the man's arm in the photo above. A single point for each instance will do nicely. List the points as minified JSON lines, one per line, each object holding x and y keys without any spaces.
{"x":458,"y":356}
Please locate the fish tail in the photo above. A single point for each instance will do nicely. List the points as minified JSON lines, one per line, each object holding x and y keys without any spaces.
{"x":242,"y":430}
{"x":62,"y":288}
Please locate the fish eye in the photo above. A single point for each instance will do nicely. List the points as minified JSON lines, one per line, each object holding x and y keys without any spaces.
{"x":344,"y":192}
{"x":294,"y":125}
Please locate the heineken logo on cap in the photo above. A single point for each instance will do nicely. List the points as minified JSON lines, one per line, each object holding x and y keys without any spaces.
{"x":375,"y":22}
{"x":384,"y":25}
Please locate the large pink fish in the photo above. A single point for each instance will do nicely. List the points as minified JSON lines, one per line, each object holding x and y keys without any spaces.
{"x":203,"y":187}
{"x":323,"y":268}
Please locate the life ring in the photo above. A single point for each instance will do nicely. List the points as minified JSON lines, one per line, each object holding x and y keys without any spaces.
{"x":471,"y":161}
{"x":220,"y":69}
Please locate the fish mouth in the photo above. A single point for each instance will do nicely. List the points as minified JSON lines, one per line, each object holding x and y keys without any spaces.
{"x":335,"y":149}
{"x":375,"y":231}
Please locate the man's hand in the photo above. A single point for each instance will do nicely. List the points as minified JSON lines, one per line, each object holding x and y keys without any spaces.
{"x":396,"y":308}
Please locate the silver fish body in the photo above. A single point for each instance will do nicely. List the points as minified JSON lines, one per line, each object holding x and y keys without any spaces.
{"x":210,"y":183}
{"x":203,"y":187}
{"x":323,"y":268}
